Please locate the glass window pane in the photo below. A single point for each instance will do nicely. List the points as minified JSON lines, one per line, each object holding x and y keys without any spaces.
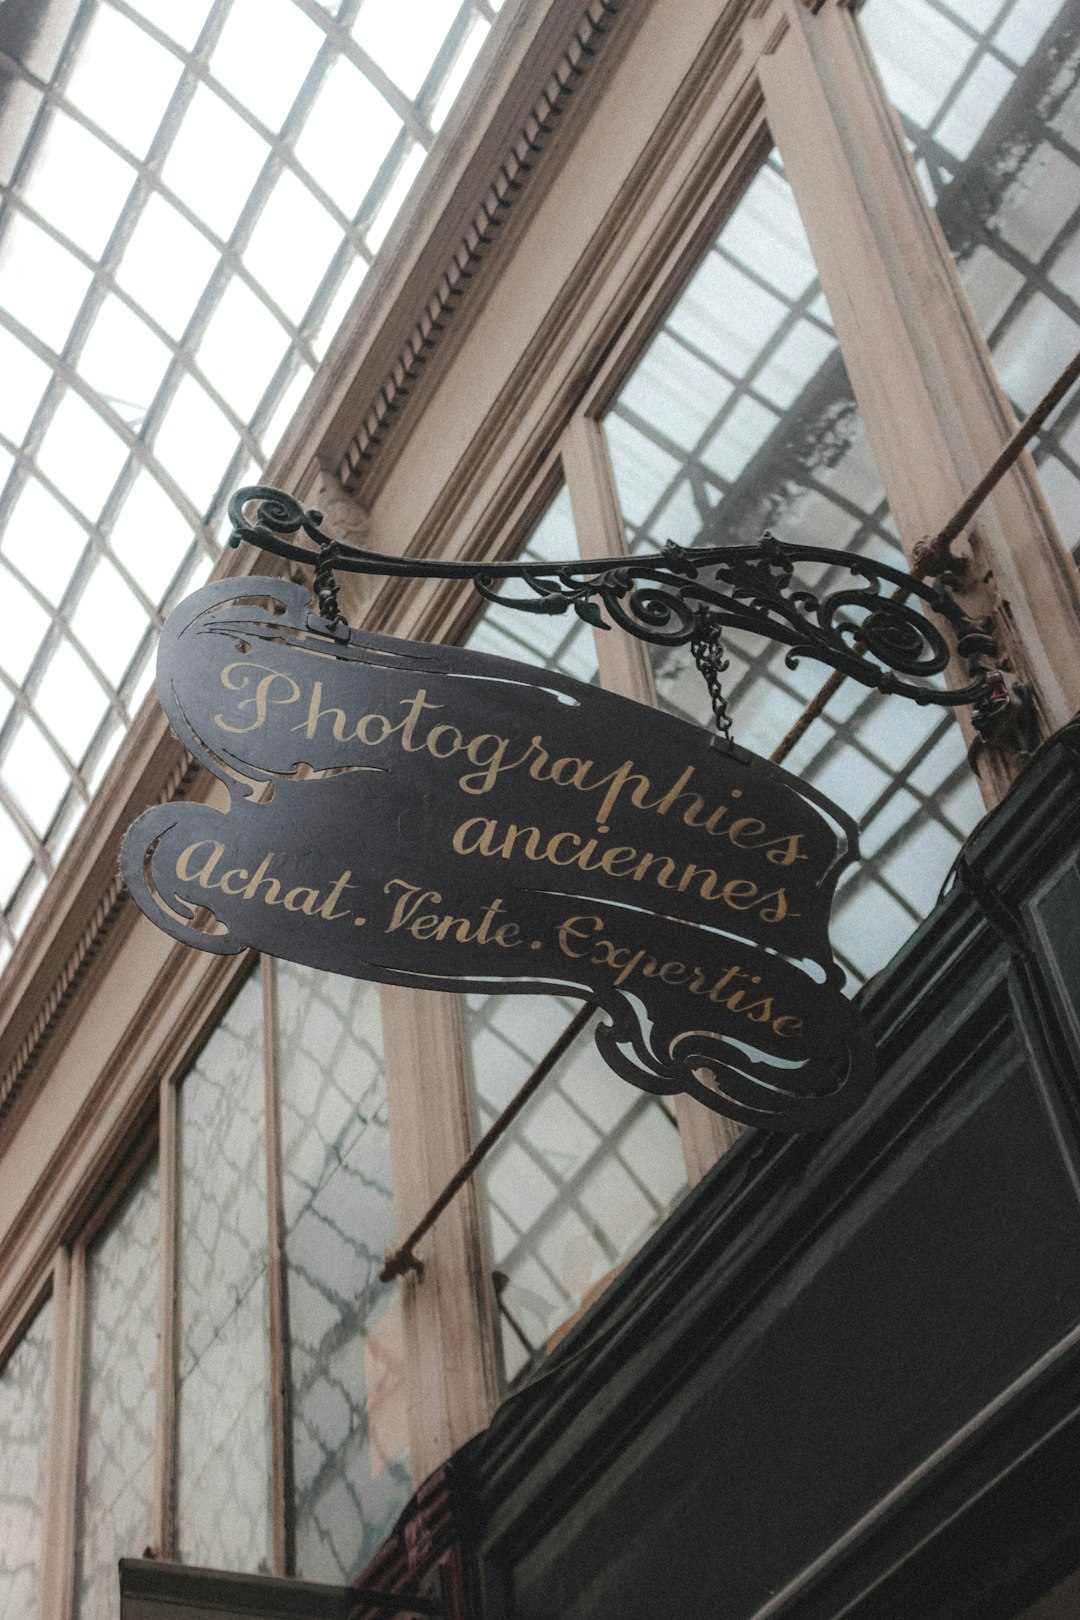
{"x":124,"y":361}
{"x":15,"y":856}
{"x":217,"y":191}
{"x":34,"y":776}
{"x":123,"y":79}
{"x":265,"y":50}
{"x":243,"y":347}
{"x":41,"y":283}
{"x":182,"y":22}
{"x":150,"y":537}
{"x":195,"y":442}
{"x":223,"y":1422}
{"x":292,"y":215}
{"x":592,"y":1165}
{"x":25,"y":377}
{"x":395,"y":196}
{"x":347,"y":135}
{"x":587,"y":1171}
{"x":478,"y":32}
{"x":49,"y":571}
{"x":81,"y":455}
{"x":109,"y":621}
{"x":1005,"y":155}
{"x":782,"y":449}
{"x":27,"y":623}
{"x":406,"y":57}
{"x":24,"y":1405}
{"x":166,"y":265}
{"x":78,"y":184}
{"x":350,"y":1439}
{"x":70,"y":702}
{"x":116,"y":1452}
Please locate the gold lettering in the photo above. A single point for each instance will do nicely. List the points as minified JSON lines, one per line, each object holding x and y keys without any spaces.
{"x":491,"y":766}
{"x":569,"y":930}
{"x":779,"y":911}
{"x":746,"y":840}
{"x":261,"y":699}
{"x":553,"y":844}
{"x":631,"y":964}
{"x":363,"y":726}
{"x":241,"y":874}
{"x":723,"y":982}
{"x":203,"y":875}
{"x":405,"y":906}
{"x":615,"y":782}
{"x":416,"y":706}
{"x":618,"y":861}
{"x":326,"y":910}
{"x":740,"y":890}
{"x":258,"y":878}
{"x":575,"y":777}
{"x":437,"y":731}
{"x":315,"y":714}
{"x":788,"y":850}
{"x":674,"y":972}
{"x":648,"y":860}
{"x":307,"y":905}
{"x":734,"y":1002}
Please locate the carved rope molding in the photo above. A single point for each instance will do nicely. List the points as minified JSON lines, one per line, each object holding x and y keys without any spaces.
{"x":90,"y":941}
{"x":513,"y":172}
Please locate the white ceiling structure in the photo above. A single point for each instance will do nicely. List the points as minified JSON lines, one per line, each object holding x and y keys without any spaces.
{"x":193,"y":191}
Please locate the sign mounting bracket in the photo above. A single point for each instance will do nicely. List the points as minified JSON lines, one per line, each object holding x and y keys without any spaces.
{"x":686,"y":596}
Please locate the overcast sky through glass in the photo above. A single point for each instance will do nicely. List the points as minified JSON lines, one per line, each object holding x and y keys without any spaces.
{"x":193,"y":191}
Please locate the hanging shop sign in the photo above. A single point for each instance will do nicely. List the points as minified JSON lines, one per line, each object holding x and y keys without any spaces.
{"x":434,"y":817}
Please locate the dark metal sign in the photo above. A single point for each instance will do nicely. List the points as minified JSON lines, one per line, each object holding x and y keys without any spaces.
{"x":428,"y":816}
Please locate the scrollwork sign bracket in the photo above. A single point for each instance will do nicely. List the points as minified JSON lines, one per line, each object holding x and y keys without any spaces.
{"x":686,"y":595}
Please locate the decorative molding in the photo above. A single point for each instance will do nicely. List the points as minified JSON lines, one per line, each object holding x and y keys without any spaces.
{"x":93,"y":936}
{"x":510,"y":178}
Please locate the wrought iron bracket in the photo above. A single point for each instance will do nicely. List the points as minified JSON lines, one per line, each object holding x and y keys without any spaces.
{"x":686,"y":595}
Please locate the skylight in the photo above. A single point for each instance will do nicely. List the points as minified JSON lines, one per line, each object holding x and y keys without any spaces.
{"x":194,"y":191}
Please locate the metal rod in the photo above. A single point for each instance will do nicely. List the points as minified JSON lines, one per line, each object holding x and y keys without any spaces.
{"x":396,"y":1262}
{"x":814,"y":708}
{"x":934,"y":556}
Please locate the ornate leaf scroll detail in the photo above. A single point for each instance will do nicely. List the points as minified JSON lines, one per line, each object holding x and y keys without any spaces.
{"x":666,"y":598}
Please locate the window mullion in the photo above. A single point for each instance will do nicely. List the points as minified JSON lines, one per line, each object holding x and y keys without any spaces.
{"x":58,"y":1543}
{"x":281,"y":1507}
{"x":625,"y":668}
{"x":450,"y":1367}
{"x":934,"y":413}
{"x":168,"y":1325}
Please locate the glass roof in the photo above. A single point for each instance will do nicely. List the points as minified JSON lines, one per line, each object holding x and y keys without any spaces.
{"x":193,"y":191}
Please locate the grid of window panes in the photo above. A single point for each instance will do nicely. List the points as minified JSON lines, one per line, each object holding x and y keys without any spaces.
{"x":192,"y":195}
{"x":989,"y":95}
{"x":591,"y":1166}
{"x":740,"y":418}
{"x":24,"y":1397}
{"x":340,"y":1352}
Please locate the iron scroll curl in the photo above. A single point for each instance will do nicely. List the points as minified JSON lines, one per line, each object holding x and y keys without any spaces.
{"x":665,"y":598}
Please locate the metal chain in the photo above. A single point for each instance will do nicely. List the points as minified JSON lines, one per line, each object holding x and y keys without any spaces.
{"x":707,"y":647}
{"x":325,"y":585}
